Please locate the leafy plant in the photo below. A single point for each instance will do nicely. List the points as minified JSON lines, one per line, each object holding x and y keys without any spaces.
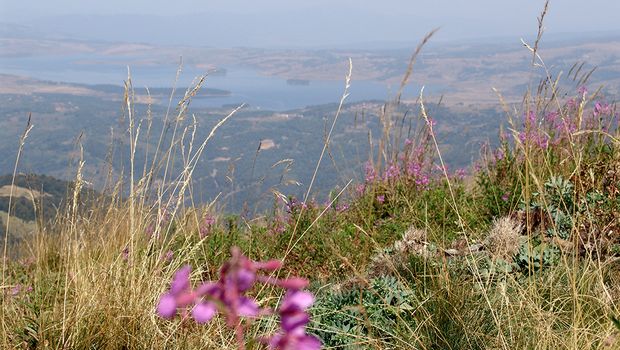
{"x":356,"y":317}
{"x":533,"y":256}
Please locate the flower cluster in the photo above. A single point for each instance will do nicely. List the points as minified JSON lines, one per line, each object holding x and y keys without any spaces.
{"x":207,"y":226}
{"x":19,"y":289}
{"x":371,"y":174}
{"x":555,"y":127}
{"x":411,"y":166}
{"x":532,"y":134}
{"x":228,"y":297}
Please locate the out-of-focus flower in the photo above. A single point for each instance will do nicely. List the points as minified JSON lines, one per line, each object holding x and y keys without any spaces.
{"x":227,"y":297}
{"x":381,"y":198}
{"x":168,"y":256}
{"x":207,"y":226}
{"x":293,"y":320}
{"x":340,"y":208}
{"x":16,"y":289}
{"x":179,"y":295}
{"x":360,"y":189}
{"x":506,"y":196}
{"x":583,"y":90}
{"x":371,"y":174}
{"x":391,"y":172}
{"x":601,"y":108}
{"x":150,"y":231}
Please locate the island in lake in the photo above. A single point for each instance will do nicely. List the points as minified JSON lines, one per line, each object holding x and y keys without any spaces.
{"x":298,"y":82}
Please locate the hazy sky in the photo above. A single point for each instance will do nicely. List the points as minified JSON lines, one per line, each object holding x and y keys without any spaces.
{"x":304,"y":23}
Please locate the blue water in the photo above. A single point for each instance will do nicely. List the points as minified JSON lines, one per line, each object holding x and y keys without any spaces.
{"x":246,"y":85}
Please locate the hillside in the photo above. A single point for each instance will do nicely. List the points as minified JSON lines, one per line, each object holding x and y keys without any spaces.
{"x":36,"y":200}
{"x":60,"y":120}
{"x":522,"y":253}
{"x":476,"y":207}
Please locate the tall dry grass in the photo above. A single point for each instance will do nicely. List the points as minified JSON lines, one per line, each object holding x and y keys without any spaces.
{"x":98,"y":270}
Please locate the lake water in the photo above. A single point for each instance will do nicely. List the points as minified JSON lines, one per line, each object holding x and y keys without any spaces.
{"x":246,"y":85}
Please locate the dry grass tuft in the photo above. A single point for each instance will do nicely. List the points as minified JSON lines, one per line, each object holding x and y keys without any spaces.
{"x":504,"y":238}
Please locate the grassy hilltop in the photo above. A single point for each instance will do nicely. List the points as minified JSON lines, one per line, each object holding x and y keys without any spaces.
{"x":521,"y":250}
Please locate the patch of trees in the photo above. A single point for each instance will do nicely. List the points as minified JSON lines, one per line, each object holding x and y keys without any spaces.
{"x":54,"y":193}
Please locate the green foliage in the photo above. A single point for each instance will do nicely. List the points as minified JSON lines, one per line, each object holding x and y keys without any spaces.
{"x":534,"y":256}
{"x":365,"y":317}
{"x":498,"y":183}
{"x":616,"y":322}
{"x":495,"y":270}
{"x":54,"y":195}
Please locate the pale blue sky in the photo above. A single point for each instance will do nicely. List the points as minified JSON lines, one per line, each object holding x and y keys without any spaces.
{"x":304,"y":23}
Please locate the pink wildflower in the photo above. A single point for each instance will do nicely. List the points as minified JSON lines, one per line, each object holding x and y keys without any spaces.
{"x":207,"y":226}
{"x":391,"y":172}
{"x":360,"y":189}
{"x":293,"y":320}
{"x":371,"y":174}
{"x":506,"y":196}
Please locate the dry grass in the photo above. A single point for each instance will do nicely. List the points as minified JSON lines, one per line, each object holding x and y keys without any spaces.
{"x":97,"y":275}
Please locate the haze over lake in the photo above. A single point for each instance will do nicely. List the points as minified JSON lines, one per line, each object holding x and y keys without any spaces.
{"x":246,"y":85}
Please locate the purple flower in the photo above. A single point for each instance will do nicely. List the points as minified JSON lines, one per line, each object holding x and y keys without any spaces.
{"x":203,"y":312}
{"x":237,"y":276}
{"x":571,"y":103}
{"x":552,"y":117}
{"x":19,"y":289}
{"x":16,"y":289}
{"x":542,"y":141}
{"x":360,"y":189}
{"x":279,"y":225}
{"x":168,"y":256}
{"x":207,"y":226}
{"x":601,"y":108}
{"x":530,"y":119}
{"x":423,"y":180}
{"x":414,"y":168}
{"x":227,"y":296}
{"x":371,"y":174}
{"x":391,"y":172}
{"x":498,"y":154}
{"x":125,"y":253}
{"x":293,"y":320}
{"x":381,"y":198}
{"x":430,"y":122}
{"x":178,"y":296}
{"x":340,"y":208}
{"x":149,"y":231}
{"x":506,"y":196}
{"x":295,"y":204}
{"x":583,"y":90}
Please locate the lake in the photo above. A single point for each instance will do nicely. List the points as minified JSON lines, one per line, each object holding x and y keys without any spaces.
{"x":246,"y":85}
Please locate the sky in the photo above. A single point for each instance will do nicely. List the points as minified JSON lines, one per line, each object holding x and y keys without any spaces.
{"x":295,"y":23}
